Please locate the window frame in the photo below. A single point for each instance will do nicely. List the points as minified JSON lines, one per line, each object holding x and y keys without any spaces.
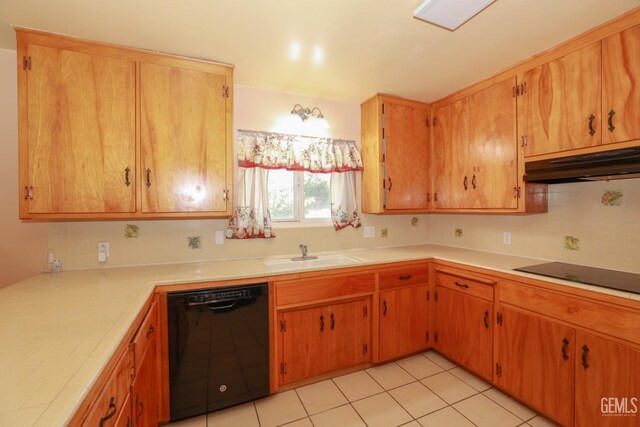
{"x":298,"y":204}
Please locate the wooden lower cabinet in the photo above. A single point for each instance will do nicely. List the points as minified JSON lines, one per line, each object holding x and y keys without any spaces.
{"x":144,"y":391}
{"x":319,"y":339}
{"x":404,"y":321}
{"x":125,"y":419}
{"x":607,"y":381}
{"x":535,"y":361}
{"x":463,"y":330}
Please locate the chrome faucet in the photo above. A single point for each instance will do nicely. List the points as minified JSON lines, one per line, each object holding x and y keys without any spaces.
{"x":304,"y":257}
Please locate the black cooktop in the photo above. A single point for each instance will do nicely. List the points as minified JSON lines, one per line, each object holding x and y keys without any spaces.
{"x":612,"y":279}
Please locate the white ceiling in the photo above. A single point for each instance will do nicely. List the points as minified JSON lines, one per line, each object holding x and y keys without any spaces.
{"x":369,"y":45}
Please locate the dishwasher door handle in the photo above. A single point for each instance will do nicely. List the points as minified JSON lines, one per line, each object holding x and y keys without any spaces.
{"x":207,"y":303}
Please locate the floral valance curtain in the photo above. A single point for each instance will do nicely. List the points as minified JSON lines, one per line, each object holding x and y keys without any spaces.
{"x":298,"y":153}
{"x":260,"y":151}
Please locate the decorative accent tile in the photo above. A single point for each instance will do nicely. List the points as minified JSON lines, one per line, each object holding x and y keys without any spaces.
{"x":612,"y":198}
{"x":571,"y":243}
{"x":131,"y":231}
{"x":194,"y":242}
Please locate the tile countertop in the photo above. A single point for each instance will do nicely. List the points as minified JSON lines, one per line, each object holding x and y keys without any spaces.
{"x":59,"y":331}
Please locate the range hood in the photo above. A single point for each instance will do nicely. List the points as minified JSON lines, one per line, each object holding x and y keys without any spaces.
{"x":622,"y":163}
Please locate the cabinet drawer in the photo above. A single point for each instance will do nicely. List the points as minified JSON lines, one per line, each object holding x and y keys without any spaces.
{"x":608,"y":319}
{"x":304,"y":290}
{"x":469,"y":284}
{"x":403,"y":276}
{"x":113,"y":398}
{"x":144,"y":335}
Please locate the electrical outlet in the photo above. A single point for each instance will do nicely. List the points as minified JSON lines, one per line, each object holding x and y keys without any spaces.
{"x":369,"y":231}
{"x":458,"y":232}
{"x":506,"y":237}
{"x":103,"y":247}
{"x":384,"y":233}
{"x":219,"y":237}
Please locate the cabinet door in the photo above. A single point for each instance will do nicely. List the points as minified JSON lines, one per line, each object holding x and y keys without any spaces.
{"x":451,"y":151}
{"x":349,"y":332}
{"x":607,"y":380}
{"x":561,"y":97}
{"x":304,"y":343}
{"x":493,"y":147}
{"x":321,"y":339}
{"x":81,"y":132}
{"x":463,"y":330}
{"x":404,"y":321}
{"x":535,"y":361}
{"x":620,"y":88}
{"x":406,"y":157}
{"x":183,"y":140}
{"x":144,"y":390}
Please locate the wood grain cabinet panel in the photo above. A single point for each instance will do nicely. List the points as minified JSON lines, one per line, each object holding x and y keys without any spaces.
{"x":183,"y":140}
{"x":396,"y":155}
{"x":463,"y":330}
{"x":607,"y":380}
{"x":476,"y":150}
{"x":562,"y":103}
{"x":81,"y":132}
{"x":316,"y":340}
{"x":451,"y":149}
{"x":621,"y":86}
{"x":535,"y":361}
{"x":404,"y":321}
{"x":493,"y":149}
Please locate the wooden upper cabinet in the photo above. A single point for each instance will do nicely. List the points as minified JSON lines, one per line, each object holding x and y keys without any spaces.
{"x":620,"y":86}
{"x":451,"y":151}
{"x":406,"y":156}
{"x":476,"y":150}
{"x":562,"y":103}
{"x":94,"y":117}
{"x":606,"y":370}
{"x":493,"y":149}
{"x":396,"y":155}
{"x":184,"y":140}
{"x":80,"y":137}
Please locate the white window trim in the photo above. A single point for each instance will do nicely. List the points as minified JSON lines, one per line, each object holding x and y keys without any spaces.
{"x":298,"y":213}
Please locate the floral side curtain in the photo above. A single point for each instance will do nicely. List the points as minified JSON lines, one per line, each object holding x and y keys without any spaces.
{"x":258,"y":152}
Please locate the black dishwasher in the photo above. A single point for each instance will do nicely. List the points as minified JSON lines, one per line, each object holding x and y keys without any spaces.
{"x":218,"y":348}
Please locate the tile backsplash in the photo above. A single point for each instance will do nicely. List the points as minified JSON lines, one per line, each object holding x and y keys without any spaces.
{"x":595,"y":223}
{"x":591,"y":223}
{"x":157,"y":242}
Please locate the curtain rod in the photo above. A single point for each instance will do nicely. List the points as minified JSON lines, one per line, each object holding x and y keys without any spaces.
{"x":293,"y":135}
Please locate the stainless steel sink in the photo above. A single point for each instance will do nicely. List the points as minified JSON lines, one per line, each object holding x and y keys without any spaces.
{"x":330,"y":260}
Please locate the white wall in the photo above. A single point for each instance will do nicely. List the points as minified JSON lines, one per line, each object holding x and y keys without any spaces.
{"x":22,"y":246}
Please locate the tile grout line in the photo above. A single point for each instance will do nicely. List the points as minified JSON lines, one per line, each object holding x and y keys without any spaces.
{"x":348,"y":401}
{"x":505,"y":408}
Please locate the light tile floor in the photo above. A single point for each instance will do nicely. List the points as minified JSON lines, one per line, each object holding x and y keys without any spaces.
{"x":424,"y":390}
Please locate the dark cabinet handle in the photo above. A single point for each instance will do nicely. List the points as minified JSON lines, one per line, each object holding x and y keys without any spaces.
{"x":148,"y":179}
{"x":461,"y":285}
{"x":384,"y":307}
{"x":591,"y":129}
{"x":406,"y":277}
{"x":321,"y":323}
{"x":464,"y":183}
{"x":150,"y":330}
{"x":473,"y":182}
{"x":611,"y":126}
{"x":126,"y":176}
{"x":565,"y":343}
{"x":111,"y":411}
{"x":139,"y":413}
{"x":390,"y":183}
{"x":333,"y":322}
{"x":28,"y":193}
{"x":486,"y":319}
{"x":585,"y":351}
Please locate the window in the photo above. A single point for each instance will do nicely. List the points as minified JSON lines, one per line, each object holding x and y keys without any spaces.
{"x":299,"y":196}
